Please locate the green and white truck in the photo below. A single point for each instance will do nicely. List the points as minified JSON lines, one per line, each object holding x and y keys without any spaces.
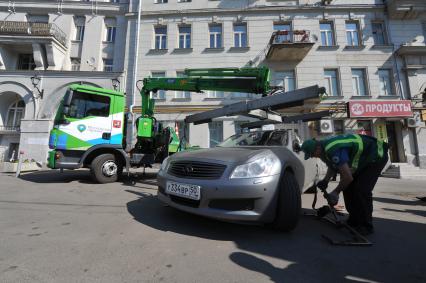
{"x":90,"y":126}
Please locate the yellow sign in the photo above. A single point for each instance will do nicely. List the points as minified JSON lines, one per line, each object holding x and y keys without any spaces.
{"x":381,"y":133}
{"x":423,"y":115}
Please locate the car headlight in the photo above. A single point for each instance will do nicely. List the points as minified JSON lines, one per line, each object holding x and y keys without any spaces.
{"x":165,"y":164}
{"x":262,"y":165}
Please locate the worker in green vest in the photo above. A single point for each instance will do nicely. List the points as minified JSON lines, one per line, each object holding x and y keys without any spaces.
{"x":359,"y":159}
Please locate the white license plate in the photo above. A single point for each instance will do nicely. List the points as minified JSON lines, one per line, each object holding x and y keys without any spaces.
{"x":183,"y":190}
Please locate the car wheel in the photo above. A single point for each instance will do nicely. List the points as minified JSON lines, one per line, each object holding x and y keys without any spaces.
{"x":289,"y":204}
{"x":105,"y":169}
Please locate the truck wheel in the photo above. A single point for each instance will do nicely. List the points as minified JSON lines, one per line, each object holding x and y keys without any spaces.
{"x":289,"y":204}
{"x":105,"y":169}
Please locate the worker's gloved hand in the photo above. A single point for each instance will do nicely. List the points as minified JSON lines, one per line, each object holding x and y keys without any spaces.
{"x":322,"y":185}
{"x":333,"y":198}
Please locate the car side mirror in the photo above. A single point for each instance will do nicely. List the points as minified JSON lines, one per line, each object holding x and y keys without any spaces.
{"x":297,"y":147}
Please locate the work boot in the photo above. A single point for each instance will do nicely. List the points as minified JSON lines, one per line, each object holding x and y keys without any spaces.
{"x":364,"y":230}
{"x":350,"y":222}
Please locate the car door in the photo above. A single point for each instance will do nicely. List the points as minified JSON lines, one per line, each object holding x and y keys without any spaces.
{"x":89,"y":122}
{"x":313,"y":168}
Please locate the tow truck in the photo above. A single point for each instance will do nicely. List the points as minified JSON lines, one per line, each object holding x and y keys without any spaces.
{"x":90,"y":128}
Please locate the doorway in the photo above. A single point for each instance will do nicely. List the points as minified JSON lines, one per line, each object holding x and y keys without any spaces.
{"x":394,"y":141}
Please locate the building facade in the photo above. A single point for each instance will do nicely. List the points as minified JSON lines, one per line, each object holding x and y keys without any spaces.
{"x":366,"y":51}
{"x":44,"y":47}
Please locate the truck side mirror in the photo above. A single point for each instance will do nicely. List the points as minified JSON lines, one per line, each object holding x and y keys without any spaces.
{"x":66,"y":110}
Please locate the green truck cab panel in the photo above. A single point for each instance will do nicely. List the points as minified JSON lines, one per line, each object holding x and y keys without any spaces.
{"x":95,"y":116}
{"x":145,"y":127}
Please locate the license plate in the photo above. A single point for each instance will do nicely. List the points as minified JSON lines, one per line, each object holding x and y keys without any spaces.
{"x":184,"y":190}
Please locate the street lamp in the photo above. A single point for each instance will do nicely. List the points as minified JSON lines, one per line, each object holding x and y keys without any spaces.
{"x":35,"y":80}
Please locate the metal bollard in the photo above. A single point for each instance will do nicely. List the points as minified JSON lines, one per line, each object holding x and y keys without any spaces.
{"x":18,"y":170}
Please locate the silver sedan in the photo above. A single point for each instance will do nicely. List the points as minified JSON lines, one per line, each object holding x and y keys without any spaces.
{"x":250,"y":177}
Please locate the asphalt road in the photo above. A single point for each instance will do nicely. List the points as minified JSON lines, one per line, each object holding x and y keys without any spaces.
{"x":63,"y":228}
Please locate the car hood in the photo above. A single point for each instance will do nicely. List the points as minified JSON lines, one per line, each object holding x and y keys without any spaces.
{"x":220,"y":154}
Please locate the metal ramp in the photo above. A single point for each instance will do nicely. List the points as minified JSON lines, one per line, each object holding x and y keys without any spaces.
{"x":267,"y":108}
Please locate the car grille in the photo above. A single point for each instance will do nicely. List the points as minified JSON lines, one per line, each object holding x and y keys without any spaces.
{"x":196,"y":170}
{"x":232,"y":204}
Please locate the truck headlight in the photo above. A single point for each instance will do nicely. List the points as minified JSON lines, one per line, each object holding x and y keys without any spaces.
{"x":165,"y":164}
{"x":261,"y":165}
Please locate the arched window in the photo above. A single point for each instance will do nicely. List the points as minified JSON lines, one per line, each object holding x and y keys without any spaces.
{"x":15,"y":113}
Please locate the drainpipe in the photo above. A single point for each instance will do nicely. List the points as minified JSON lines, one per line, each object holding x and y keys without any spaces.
{"x":135,"y":72}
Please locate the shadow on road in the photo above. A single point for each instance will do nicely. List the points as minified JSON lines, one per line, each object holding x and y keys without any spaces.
{"x":398,"y":254}
{"x":415,"y":201}
{"x":55,"y":176}
{"x":84,"y":177}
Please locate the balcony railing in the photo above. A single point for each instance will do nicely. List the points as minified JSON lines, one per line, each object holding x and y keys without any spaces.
{"x":33,"y":29}
{"x":289,"y":45}
{"x":288,"y":37}
{"x":8,"y":129}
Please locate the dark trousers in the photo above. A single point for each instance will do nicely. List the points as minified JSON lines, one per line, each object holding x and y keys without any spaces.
{"x":359,"y":197}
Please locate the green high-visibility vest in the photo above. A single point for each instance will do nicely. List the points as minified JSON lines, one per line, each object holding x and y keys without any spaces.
{"x":361,"y":149}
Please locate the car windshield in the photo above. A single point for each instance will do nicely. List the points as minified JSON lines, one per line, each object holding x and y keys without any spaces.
{"x":261,"y":138}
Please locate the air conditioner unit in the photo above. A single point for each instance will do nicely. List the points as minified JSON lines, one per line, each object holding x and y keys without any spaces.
{"x":415,"y":121}
{"x":326,"y":126}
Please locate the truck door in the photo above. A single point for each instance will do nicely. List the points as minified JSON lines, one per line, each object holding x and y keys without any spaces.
{"x":89,"y":122}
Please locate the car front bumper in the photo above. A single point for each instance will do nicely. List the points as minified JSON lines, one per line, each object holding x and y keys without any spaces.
{"x":239,"y":200}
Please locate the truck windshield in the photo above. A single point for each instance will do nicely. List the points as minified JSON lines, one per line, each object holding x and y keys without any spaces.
{"x":86,"y":105}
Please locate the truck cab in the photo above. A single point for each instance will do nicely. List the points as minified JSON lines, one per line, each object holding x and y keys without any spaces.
{"x":89,"y":122}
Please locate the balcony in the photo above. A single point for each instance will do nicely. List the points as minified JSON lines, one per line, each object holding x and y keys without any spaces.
{"x":9,"y":130}
{"x":406,"y":9}
{"x":31,"y":31}
{"x":411,"y":49}
{"x":289,"y":45}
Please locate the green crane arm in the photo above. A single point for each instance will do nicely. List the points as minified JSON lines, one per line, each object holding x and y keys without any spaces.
{"x":248,"y":80}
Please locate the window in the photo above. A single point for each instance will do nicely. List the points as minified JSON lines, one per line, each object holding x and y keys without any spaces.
{"x":110,"y":34}
{"x":238,"y":129}
{"x":364,"y":127}
{"x":327,"y":34}
{"x":215,"y":31}
{"x":286,"y":35}
{"x":215,"y":94}
{"x":182,"y":94}
{"x":331,"y":82}
{"x":160,"y":1}
{"x":75,"y":64}
{"x":160,"y":37}
{"x":15,"y":113}
{"x":161,"y":94}
{"x":185,"y":36}
{"x":379,"y":33}
{"x":358,"y":82}
{"x":278,"y":139}
{"x":182,"y":129}
{"x":424,"y":32}
{"x":79,"y":33}
{"x":385,"y":78}
{"x":183,"y":1}
{"x":352,"y":34}
{"x":13,"y":152}
{"x":339,"y":127}
{"x":240,"y":95}
{"x":108,"y":65}
{"x":86,"y":105}
{"x":26,"y":62}
{"x":240,"y":35}
{"x":215,"y":133}
{"x":285,"y":80}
